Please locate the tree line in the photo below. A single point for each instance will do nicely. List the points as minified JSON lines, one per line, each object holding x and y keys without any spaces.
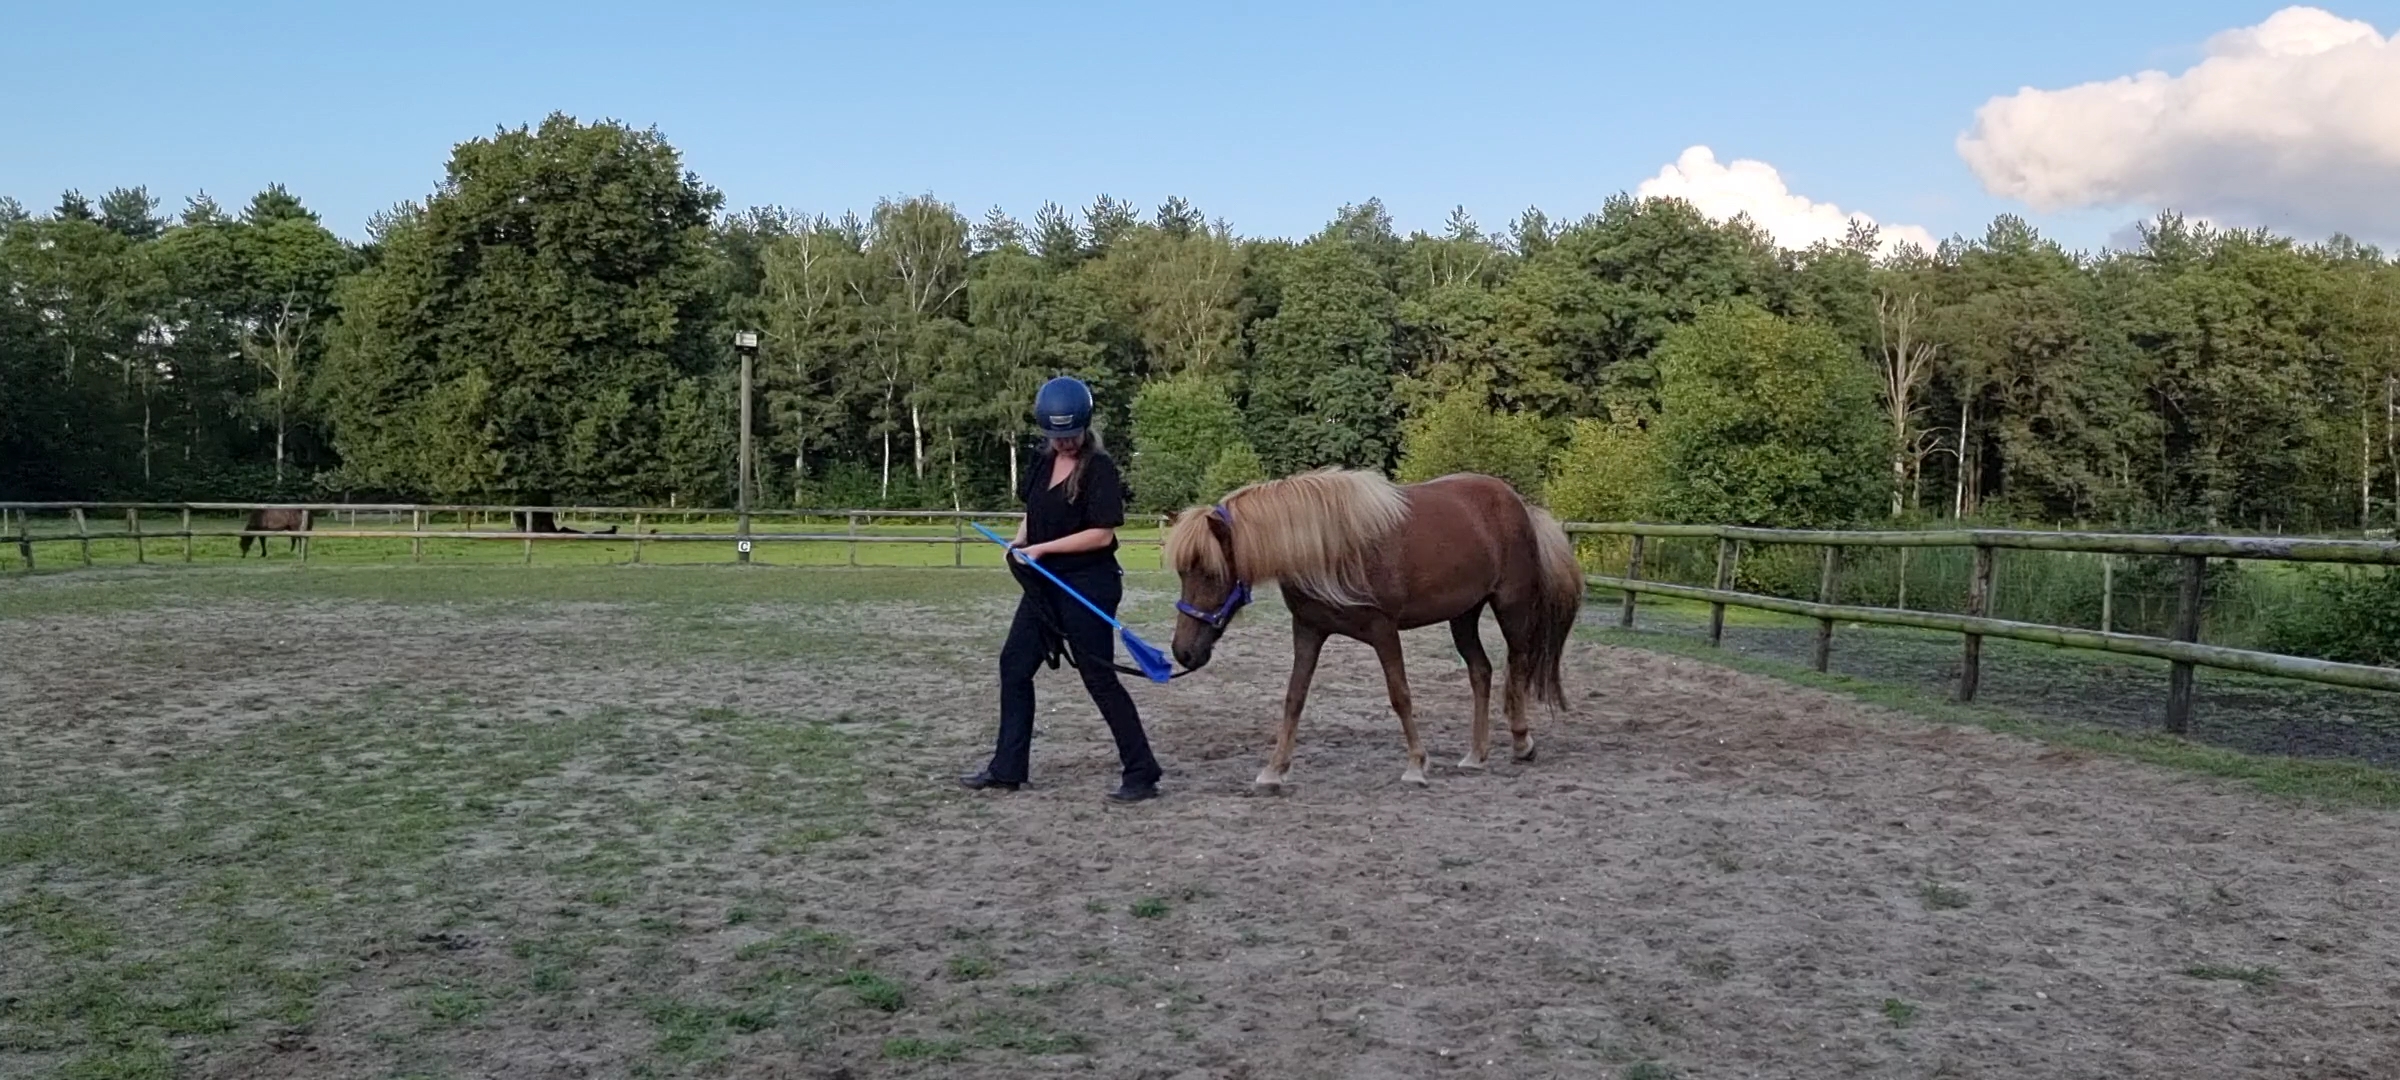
{"x":552,"y":323}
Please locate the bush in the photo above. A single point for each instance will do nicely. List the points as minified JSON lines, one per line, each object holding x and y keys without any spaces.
{"x":1607,"y":472}
{"x":1181,"y":427}
{"x":1461,"y":433}
{"x":1765,"y":421}
{"x":1237,"y":466}
{"x":2349,"y":617}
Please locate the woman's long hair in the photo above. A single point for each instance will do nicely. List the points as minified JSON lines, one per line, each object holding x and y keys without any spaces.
{"x":1086,"y":445}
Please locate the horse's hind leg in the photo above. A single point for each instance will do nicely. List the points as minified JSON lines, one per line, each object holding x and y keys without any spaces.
{"x":1395,"y":682}
{"x":1516,"y":628}
{"x":1307,"y":642}
{"x":1466,"y":630}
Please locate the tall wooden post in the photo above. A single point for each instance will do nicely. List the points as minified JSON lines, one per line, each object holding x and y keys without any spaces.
{"x":1633,"y":572}
{"x":1727,"y":552}
{"x":1979,"y":605}
{"x":746,"y":343}
{"x":187,"y":534}
{"x":958,"y":541}
{"x":133,"y":524}
{"x":306,"y":518}
{"x":83,"y":530}
{"x":2108,"y":592}
{"x":637,"y":538}
{"x":416,"y":544}
{"x":2187,"y":628}
{"x":1828,"y":585}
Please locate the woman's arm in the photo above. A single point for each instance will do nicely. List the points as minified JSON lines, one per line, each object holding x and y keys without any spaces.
{"x":1087,"y":540}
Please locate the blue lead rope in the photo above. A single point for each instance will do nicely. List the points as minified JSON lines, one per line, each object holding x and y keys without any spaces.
{"x":1155,"y":665}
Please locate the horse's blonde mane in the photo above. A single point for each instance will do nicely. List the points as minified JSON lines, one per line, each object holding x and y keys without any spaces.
{"x":1314,"y":532}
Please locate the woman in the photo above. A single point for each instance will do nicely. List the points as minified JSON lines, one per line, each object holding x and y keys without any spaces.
{"x":1074,"y":502}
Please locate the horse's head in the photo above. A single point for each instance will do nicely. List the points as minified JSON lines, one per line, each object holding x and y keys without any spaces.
{"x":1200,"y":550}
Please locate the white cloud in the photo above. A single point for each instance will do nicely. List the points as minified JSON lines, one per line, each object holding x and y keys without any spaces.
{"x":1755,"y":188}
{"x":2293,"y":123}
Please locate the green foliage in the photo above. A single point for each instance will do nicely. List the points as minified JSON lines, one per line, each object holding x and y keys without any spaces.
{"x":552,"y":323}
{"x":1462,"y":433}
{"x":541,"y":310}
{"x":1763,"y":421}
{"x":2350,"y":614}
{"x":1321,"y":374}
{"x":1606,"y":472}
{"x":1181,"y":427}
{"x":1236,"y":467}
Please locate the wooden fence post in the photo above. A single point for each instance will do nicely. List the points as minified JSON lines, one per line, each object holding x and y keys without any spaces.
{"x":133,"y":524}
{"x":637,"y":538}
{"x":1633,"y":572}
{"x":2187,"y":628}
{"x":1828,"y":586}
{"x":2108,"y":592}
{"x":416,"y":544}
{"x":1979,"y":604}
{"x":307,"y":519}
{"x":1727,"y":552}
{"x":1902,"y":602}
{"x":187,"y":534}
{"x":958,"y":542}
{"x":854,"y":540}
{"x":83,"y":530}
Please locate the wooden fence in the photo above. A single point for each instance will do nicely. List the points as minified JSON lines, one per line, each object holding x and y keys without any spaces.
{"x":423,"y":526}
{"x":2183,"y":651}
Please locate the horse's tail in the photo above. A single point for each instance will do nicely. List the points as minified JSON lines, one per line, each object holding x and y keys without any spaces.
{"x":1560,"y":600}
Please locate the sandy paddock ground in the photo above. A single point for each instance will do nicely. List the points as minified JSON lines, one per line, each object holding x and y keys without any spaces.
{"x":1705,"y":874}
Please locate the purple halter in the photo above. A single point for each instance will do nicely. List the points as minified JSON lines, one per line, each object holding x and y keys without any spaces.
{"x":1234,"y":601}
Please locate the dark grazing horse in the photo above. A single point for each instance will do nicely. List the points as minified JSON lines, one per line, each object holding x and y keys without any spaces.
{"x":1358,"y":555}
{"x":275,"y":519}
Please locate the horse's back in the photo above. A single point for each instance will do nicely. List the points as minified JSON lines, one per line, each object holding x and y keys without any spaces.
{"x":1467,"y":538}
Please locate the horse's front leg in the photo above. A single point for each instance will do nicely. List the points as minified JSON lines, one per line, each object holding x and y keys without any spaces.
{"x":1307,"y":642}
{"x":1386,"y":640}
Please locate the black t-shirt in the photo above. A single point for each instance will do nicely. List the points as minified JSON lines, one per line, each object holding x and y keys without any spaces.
{"x":1049,"y":514}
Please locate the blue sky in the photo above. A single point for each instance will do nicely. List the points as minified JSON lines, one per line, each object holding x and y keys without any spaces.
{"x":1271,"y":115}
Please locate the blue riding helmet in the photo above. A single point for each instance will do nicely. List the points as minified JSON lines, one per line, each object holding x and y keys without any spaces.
{"x":1063,"y":408}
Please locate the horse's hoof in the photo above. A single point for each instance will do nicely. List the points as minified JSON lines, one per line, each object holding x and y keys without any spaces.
{"x":1525,"y":754}
{"x":1412,"y":776}
{"x":1267,"y":787}
{"x":1474,"y":764}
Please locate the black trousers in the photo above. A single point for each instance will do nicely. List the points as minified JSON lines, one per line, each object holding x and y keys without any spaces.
{"x":1093,"y":645}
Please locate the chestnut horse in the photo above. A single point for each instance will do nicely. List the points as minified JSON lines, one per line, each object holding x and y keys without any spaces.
{"x":1358,"y":555}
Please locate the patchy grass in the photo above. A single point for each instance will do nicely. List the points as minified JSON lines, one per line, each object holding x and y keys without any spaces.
{"x":208,"y":899}
{"x":2322,"y":782}
{"x":2257,"y":978}
{"x":1939,"y":897}
{"x":1899,"y":1012}
{"x":1149,"y":907}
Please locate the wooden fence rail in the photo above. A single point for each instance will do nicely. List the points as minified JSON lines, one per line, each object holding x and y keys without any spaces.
{"x":2183,"y":651}
{"x":420,"y":526}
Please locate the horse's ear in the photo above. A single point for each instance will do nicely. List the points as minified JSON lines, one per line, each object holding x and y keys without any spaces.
{"x":1219,"y":528}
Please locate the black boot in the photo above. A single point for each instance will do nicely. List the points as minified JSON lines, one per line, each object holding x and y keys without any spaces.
{"x":1129,"y":791}
{"x":983,"y":780}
